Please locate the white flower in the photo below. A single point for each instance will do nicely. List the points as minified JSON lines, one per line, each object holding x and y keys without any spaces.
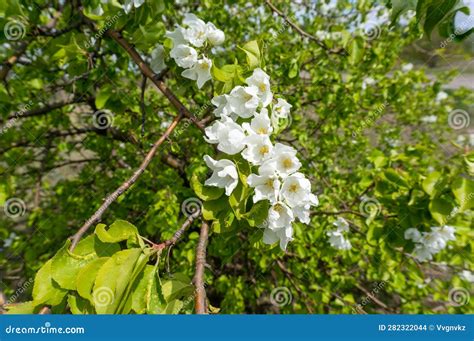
{"x":266,"y":184}
{"x":296,"y":191}
{"x":423,"y":253}
{"x":467,"y":275}
{"x":200,"y":72}
{"x":260,"y":124}
{"x":433,"y":241}
{"x":412,"y":234}
{"x":407,"y":67}
{"x":280,"y":216}
{"x":222,"y":106}
{"x":157,"y":63}
{"x":441,"y":96}
{"x":196,"y":33}
{"x":281,"y":110}
{"x":177,"y":36}
{"x":261,"y":81}
{"x":284,"y":235}
{"x":127,"y":6}
{"x":98,"y":11}
{"x":224,"y":174}
{"x":341,"y":224}
{"x":367,"y":81}
{"x":228,"y":135}
{"x":244,"y":101}
{"x":258,"y":148}
{"x":284,"y":160}
{"x":184,"y":55}
{"x":446,"y":232}
{"x":336,"y":237}
{"x":214,"y":35}
{"x":337,"y":240}
{"x":429,"y":119}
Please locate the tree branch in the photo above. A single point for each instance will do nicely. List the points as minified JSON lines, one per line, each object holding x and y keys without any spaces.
{"x":126,"y":185}
{"x":155,"y":78}
{"x":303,"y":33}
{"x":179,"y":232}
{"x":200,"y":292}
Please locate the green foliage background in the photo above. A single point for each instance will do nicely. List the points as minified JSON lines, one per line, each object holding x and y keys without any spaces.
{"x":344,"y":134}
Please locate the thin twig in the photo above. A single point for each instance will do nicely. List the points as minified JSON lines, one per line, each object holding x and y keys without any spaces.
{"x":155,"y":78}
{"x":298,"y":289}
{"x":142,"y":104}
{"x":125,"y":186}
{"x":179,"y":232}
{"x":200,"y":292}
{"x":303,"y":33}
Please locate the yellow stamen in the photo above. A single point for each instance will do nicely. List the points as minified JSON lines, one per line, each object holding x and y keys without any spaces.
{"x":264,"y":149}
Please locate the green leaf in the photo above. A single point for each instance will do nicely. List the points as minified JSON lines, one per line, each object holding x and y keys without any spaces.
{"x":45,"y":290}
{"x":440,"y":208}
{"x":79,"y":305}
{"x":24,"y":308}
{"x":401,"y":6}
{"x":205,"y":192}
{"x":258,"y":213}
{"x":102,"y":97}
{"x":140,"y":293}
{"x":431,"y":183}
{"x":212,"y":208}
{"x":86,"y":277}
{"x":356,"y":50}
{"x":252,"y":51}
{"x":173,"y":307}
{"x":396,"y":177}
{"x":463,"y":190}
{"x":112,"y":280}
{"x":119,"y":231}
{"x":66,"y":265}
{"x":173,"y":289}
{"x":436,"y":12}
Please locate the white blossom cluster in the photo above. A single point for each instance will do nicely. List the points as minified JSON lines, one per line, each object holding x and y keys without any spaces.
{"x":336,"y":237}
{"x":430,"y":243}
{"x":245,"y":127}
{"x":187,"y":40}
